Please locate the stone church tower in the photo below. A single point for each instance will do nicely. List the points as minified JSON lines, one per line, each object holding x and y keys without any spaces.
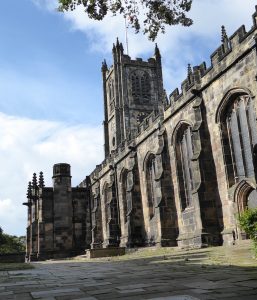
{"x":132,"y":90}
{"x":177,"y":171}
{"x":58,"y":216}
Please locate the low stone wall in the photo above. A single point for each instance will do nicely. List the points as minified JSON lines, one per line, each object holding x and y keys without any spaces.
{"x":12,"y":257}
{"x":105,"y":252}
{"x":46,"y":255}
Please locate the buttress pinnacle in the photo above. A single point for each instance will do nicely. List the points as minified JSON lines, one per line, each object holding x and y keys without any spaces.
{"x":157,"y":52}
{"x":34,"y":180}
{"x":104,"y":66}
{"x":224,"y":36}
{"x":189,"y":70}
{"x":41,"y":182}
{"x":29,"y":190}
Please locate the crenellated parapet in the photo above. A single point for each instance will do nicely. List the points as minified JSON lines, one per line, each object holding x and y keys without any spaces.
{"x":148,"y":122}
{"x":176,"y":171}
{"x":49,"y":233}
{"x":230,"y":51}
{"x":133,"y":88}
{"x":224,"y":57}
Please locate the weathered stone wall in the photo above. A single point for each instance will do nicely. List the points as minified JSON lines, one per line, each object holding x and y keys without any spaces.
{"x":47,"y":219}
{"x":59,"y":218}
{"x":132,"y":90}
{"x":12,"y":258}
{"x":176,"y":172}
{"x":80,"y":208}
{"x":181,"y":160}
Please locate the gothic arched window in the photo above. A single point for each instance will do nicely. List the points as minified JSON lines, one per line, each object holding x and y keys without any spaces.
{"x":135,"y":80}
{"x":111,"y":90}
{"x":145,"y":86}
{"x":95,"y":211}
{"x":97,"y":234}
{"x":239,"y":136}
{"x":124,"y":194}
{"x":106,"y":203}
{"x":184,"y":153}
{"x":151,"y":186}
{"x":141,"y":88}
{"x":111,"y":95}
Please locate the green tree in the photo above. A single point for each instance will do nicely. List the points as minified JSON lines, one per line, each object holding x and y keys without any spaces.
{"x":1,"y":235}
{"x":248,"y":222}
{"x":10,"y":243}
{"x":156,"y":14}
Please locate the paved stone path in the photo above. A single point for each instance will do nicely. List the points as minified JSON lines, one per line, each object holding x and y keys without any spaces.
{"x":202,"y":274}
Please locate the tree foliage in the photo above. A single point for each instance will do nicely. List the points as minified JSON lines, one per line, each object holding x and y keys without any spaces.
{"x":248,"y":222}
{"x":155,"y":14}
{"x":10,"y":243}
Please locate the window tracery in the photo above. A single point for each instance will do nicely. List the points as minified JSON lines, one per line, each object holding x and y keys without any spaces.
{"x":111,"y":95}
{"x":151,"y":188}
{"x":141,"y":87}
{"x":184,"y":151}
{"x":239,"y":136}
{"x":124,"y":194}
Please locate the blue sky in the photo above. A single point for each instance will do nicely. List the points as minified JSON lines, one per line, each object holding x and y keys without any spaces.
{"x":51,"y":90}
{"x":38,"y":50}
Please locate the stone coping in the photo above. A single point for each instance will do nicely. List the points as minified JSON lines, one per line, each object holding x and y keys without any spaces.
{"x":105,"y":252}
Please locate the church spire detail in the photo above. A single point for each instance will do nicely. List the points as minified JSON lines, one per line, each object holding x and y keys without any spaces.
{"x":157,"y":52}
{"x":189,"y":71}
{"x":224,"y":37}
{"x":29,"y":190}
{"x":34,"y":180}
{"x":104,"y":66}
{"x":41,"y":180}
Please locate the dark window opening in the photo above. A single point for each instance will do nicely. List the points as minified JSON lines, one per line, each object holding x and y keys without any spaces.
{"x":151,"y":186}
{"x":141,"y":87}
{"x":184,"y":153}
{"x":239,"y":136}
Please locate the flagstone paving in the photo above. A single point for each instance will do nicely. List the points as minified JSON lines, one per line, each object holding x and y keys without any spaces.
{"x":167,"y":274}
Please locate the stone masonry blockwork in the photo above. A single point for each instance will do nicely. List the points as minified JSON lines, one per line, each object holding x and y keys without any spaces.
{"x":177,"y":170}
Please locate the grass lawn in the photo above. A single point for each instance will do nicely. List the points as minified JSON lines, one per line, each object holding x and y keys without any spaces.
{"x":239,"y":255}
{"x":15,"y":266}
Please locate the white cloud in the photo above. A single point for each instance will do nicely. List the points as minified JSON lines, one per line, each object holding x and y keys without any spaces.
{"x":46,"y":4}
{"x":29,"y":146}
{"x":6,"y":208}
{"x":178,"y":45}
{"x":12,"y":217}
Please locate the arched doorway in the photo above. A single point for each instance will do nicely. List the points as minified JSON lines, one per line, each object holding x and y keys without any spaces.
{"x":245,"y":196}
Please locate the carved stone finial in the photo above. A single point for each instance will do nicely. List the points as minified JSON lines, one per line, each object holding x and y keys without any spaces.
{"x":118,"y":47}
{"x":121,"y":48}
{"x":34,"y":180}
{"x":157,"y":51}
{"x":165,"y":98}
{"x":224,"y":36}
{"x":104,"y":66}
{"x":41,"y":180}
{"x":189,"y":71}
{"x":29,"y":190}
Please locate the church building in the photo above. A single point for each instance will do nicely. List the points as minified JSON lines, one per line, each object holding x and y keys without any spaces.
{"x":178,"y":169}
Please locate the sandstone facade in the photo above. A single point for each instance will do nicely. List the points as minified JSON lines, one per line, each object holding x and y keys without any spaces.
{"x":58,"y":217}
{"x":177,"y":170}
